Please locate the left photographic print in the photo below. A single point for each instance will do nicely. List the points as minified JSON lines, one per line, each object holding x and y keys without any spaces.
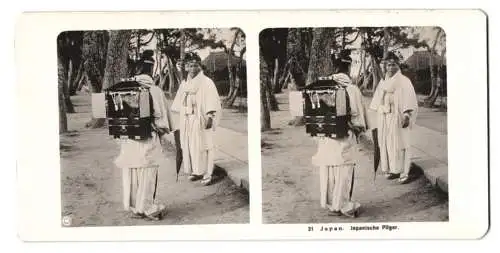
{"x":153,"y":127}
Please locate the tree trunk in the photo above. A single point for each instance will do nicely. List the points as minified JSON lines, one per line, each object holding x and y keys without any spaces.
{"x":273,"y":102}
{"x":320,"y":62}
{"x":172,"y":78}
{"x":284,"y":77}
{"x":164,"y":77}
{"x":359,"y":77}
{"x":362,"y":82}
{"x":442,"y":78}
{"x":67,"y":98}
{"x":386,"y":42}
{"x":237,"y":81}
{"x":367,"y":79}
{"x":229,"y":53}
{"x":159,"y":70}
{"x":95,"y":46}
{"x":63,"y":122}
{"x":343,"y":38}
{"x":433,"y":84}
{"x":275,"y":75}
{"x":234,"y":91}
{"x":367,"y":75}
{"x":117,"y":55}
{"x":265,"y":114}
{"x":297,"y":50}
{"x":158,"y":63}
{"x":83,"y":79}
{"x":70,"y":74}
{"x":437,"y":88}
{"x":377,"y":74}
{"x":175,"y":76}
{"x":230,"y":76}
{"x":431,"y":66}
{"x":116,"y":64}
{"x":433,"y":96}
{"x":138,"y":47}
{"x":297,"y":55}
{"x":183,"y":45}
{"x":76,"y":81}
{"x":160,"y":78}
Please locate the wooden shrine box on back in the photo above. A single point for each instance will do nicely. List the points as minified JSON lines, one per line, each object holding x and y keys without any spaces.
{"x":326,"y":108}
{"x":129,"y":110}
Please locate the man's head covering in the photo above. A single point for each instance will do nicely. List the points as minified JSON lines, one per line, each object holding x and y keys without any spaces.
{"x":146,"y":63}
{"x":192,"y":57}
{"x":342,"y":60}
{"x":345,"y":56}
{"x":342,"y":56}
{"x":391,"y":56}
{"x":147,"y":57}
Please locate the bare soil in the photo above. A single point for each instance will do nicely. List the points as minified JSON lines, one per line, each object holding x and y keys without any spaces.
{"x":91,"y":184}
{"x":291,"y":183}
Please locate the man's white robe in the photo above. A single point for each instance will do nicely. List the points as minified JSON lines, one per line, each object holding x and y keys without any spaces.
{"x":394,"y":96}
{"x":195,"y":99}
{"x":140,"y":159}
{"x":336,"y":158}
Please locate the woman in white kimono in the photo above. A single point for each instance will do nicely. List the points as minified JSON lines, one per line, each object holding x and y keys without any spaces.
{"x":199,"y":107}
{"x":396,"y":105}
{"x":139,"y":159}
{"x":336,"y":157}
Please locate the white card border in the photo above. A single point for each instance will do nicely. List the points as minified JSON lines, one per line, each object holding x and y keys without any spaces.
{"x":39,"y":172}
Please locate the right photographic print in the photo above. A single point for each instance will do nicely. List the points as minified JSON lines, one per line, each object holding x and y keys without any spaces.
{"x":354,"y":124}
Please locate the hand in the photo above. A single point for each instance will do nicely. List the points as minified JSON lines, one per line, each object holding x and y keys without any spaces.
{"x":406,"y":120}
{"x":357,"y":130}
{"x":160,"y":130}
{"x":209,"y":123}
{"x":362,"y":137}
{"x":210,"y":119}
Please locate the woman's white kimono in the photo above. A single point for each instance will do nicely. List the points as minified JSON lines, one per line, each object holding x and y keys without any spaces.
{"x":140,"y":159}
{"x":393,"y":97}
{"x":195,"y":99}
{"x":336,"y":158}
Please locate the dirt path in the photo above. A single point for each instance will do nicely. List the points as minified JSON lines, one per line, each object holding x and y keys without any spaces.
{"x":291,"y":184}
{"x":91,"y":184}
